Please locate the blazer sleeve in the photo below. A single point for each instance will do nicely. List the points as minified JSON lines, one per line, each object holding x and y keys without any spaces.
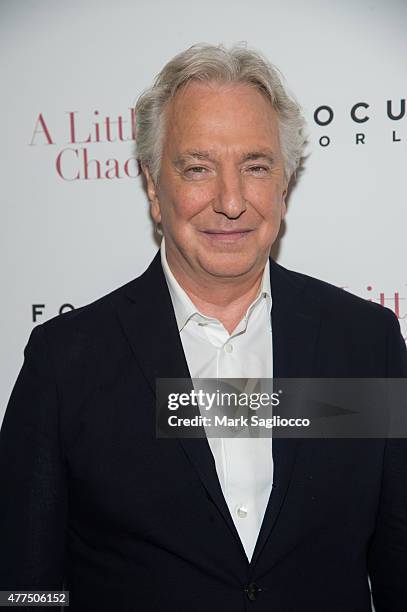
{"x":33,"y":506}
{"x":387,"y":557}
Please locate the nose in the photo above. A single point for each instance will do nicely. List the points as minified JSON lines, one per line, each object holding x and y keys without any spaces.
{"x":229,"y":199}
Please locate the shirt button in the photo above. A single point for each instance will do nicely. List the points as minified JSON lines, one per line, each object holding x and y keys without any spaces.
{"x":228,"y":348}
{"x":241,"y":512}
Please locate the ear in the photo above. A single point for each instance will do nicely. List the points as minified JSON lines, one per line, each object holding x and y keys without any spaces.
{"x":152,"y":195}
{"x":283,"y":204}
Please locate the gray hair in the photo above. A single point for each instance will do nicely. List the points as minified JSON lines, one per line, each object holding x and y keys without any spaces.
{"x":204,"y":62}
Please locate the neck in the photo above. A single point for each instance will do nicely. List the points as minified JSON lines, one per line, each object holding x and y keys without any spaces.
{"x":224,"y":298}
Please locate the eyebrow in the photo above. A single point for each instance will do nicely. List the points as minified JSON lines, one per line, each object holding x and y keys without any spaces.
{"x":207,"y":155}
{"x":255,"y":155}
{"x":192,"y":154}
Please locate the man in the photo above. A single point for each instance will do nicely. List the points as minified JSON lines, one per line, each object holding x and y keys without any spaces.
{"x":92,"y":499}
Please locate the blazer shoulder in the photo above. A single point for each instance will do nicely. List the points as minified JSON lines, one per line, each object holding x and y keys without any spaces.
{"x":365,"y":328}
{"x":95,"y":320}
{"x":338,"y":302}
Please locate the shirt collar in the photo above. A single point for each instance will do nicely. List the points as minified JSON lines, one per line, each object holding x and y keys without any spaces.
{"x":184,"y":308}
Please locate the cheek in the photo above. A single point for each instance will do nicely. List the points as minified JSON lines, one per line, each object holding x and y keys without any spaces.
{"x":189,"y":200}
{"x":266,"y":198}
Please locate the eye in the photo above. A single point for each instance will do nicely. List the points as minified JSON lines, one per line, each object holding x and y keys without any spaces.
{"x":259,"y":169}
{"x":197,"y":173}
{"x":196,"y":170}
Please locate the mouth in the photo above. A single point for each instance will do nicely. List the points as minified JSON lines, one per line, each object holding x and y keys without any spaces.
{"x":226,"y":235}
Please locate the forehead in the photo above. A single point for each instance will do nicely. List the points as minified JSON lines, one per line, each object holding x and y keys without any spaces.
{"x":204,"y":114}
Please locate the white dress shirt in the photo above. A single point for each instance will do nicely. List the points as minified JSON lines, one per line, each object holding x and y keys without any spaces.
{"x":244,"y":465}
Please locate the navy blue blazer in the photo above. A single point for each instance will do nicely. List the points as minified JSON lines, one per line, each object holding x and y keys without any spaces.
{"x":92,"y":500}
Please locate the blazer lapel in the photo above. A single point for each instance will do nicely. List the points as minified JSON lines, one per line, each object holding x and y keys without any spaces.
{"x":295,"y":327}
{"x":147,"y":319}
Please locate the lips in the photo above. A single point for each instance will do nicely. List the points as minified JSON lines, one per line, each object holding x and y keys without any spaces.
{"x":226,"y":236}
{"x":227,"y":232}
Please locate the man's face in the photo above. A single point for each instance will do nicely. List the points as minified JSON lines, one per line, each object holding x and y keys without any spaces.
{"x":220,"y":196}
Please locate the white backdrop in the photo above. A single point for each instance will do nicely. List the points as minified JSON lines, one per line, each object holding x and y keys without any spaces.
{"x":68,"y":239}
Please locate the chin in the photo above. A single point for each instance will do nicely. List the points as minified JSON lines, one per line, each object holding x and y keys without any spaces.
{"x":222,"y":266}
